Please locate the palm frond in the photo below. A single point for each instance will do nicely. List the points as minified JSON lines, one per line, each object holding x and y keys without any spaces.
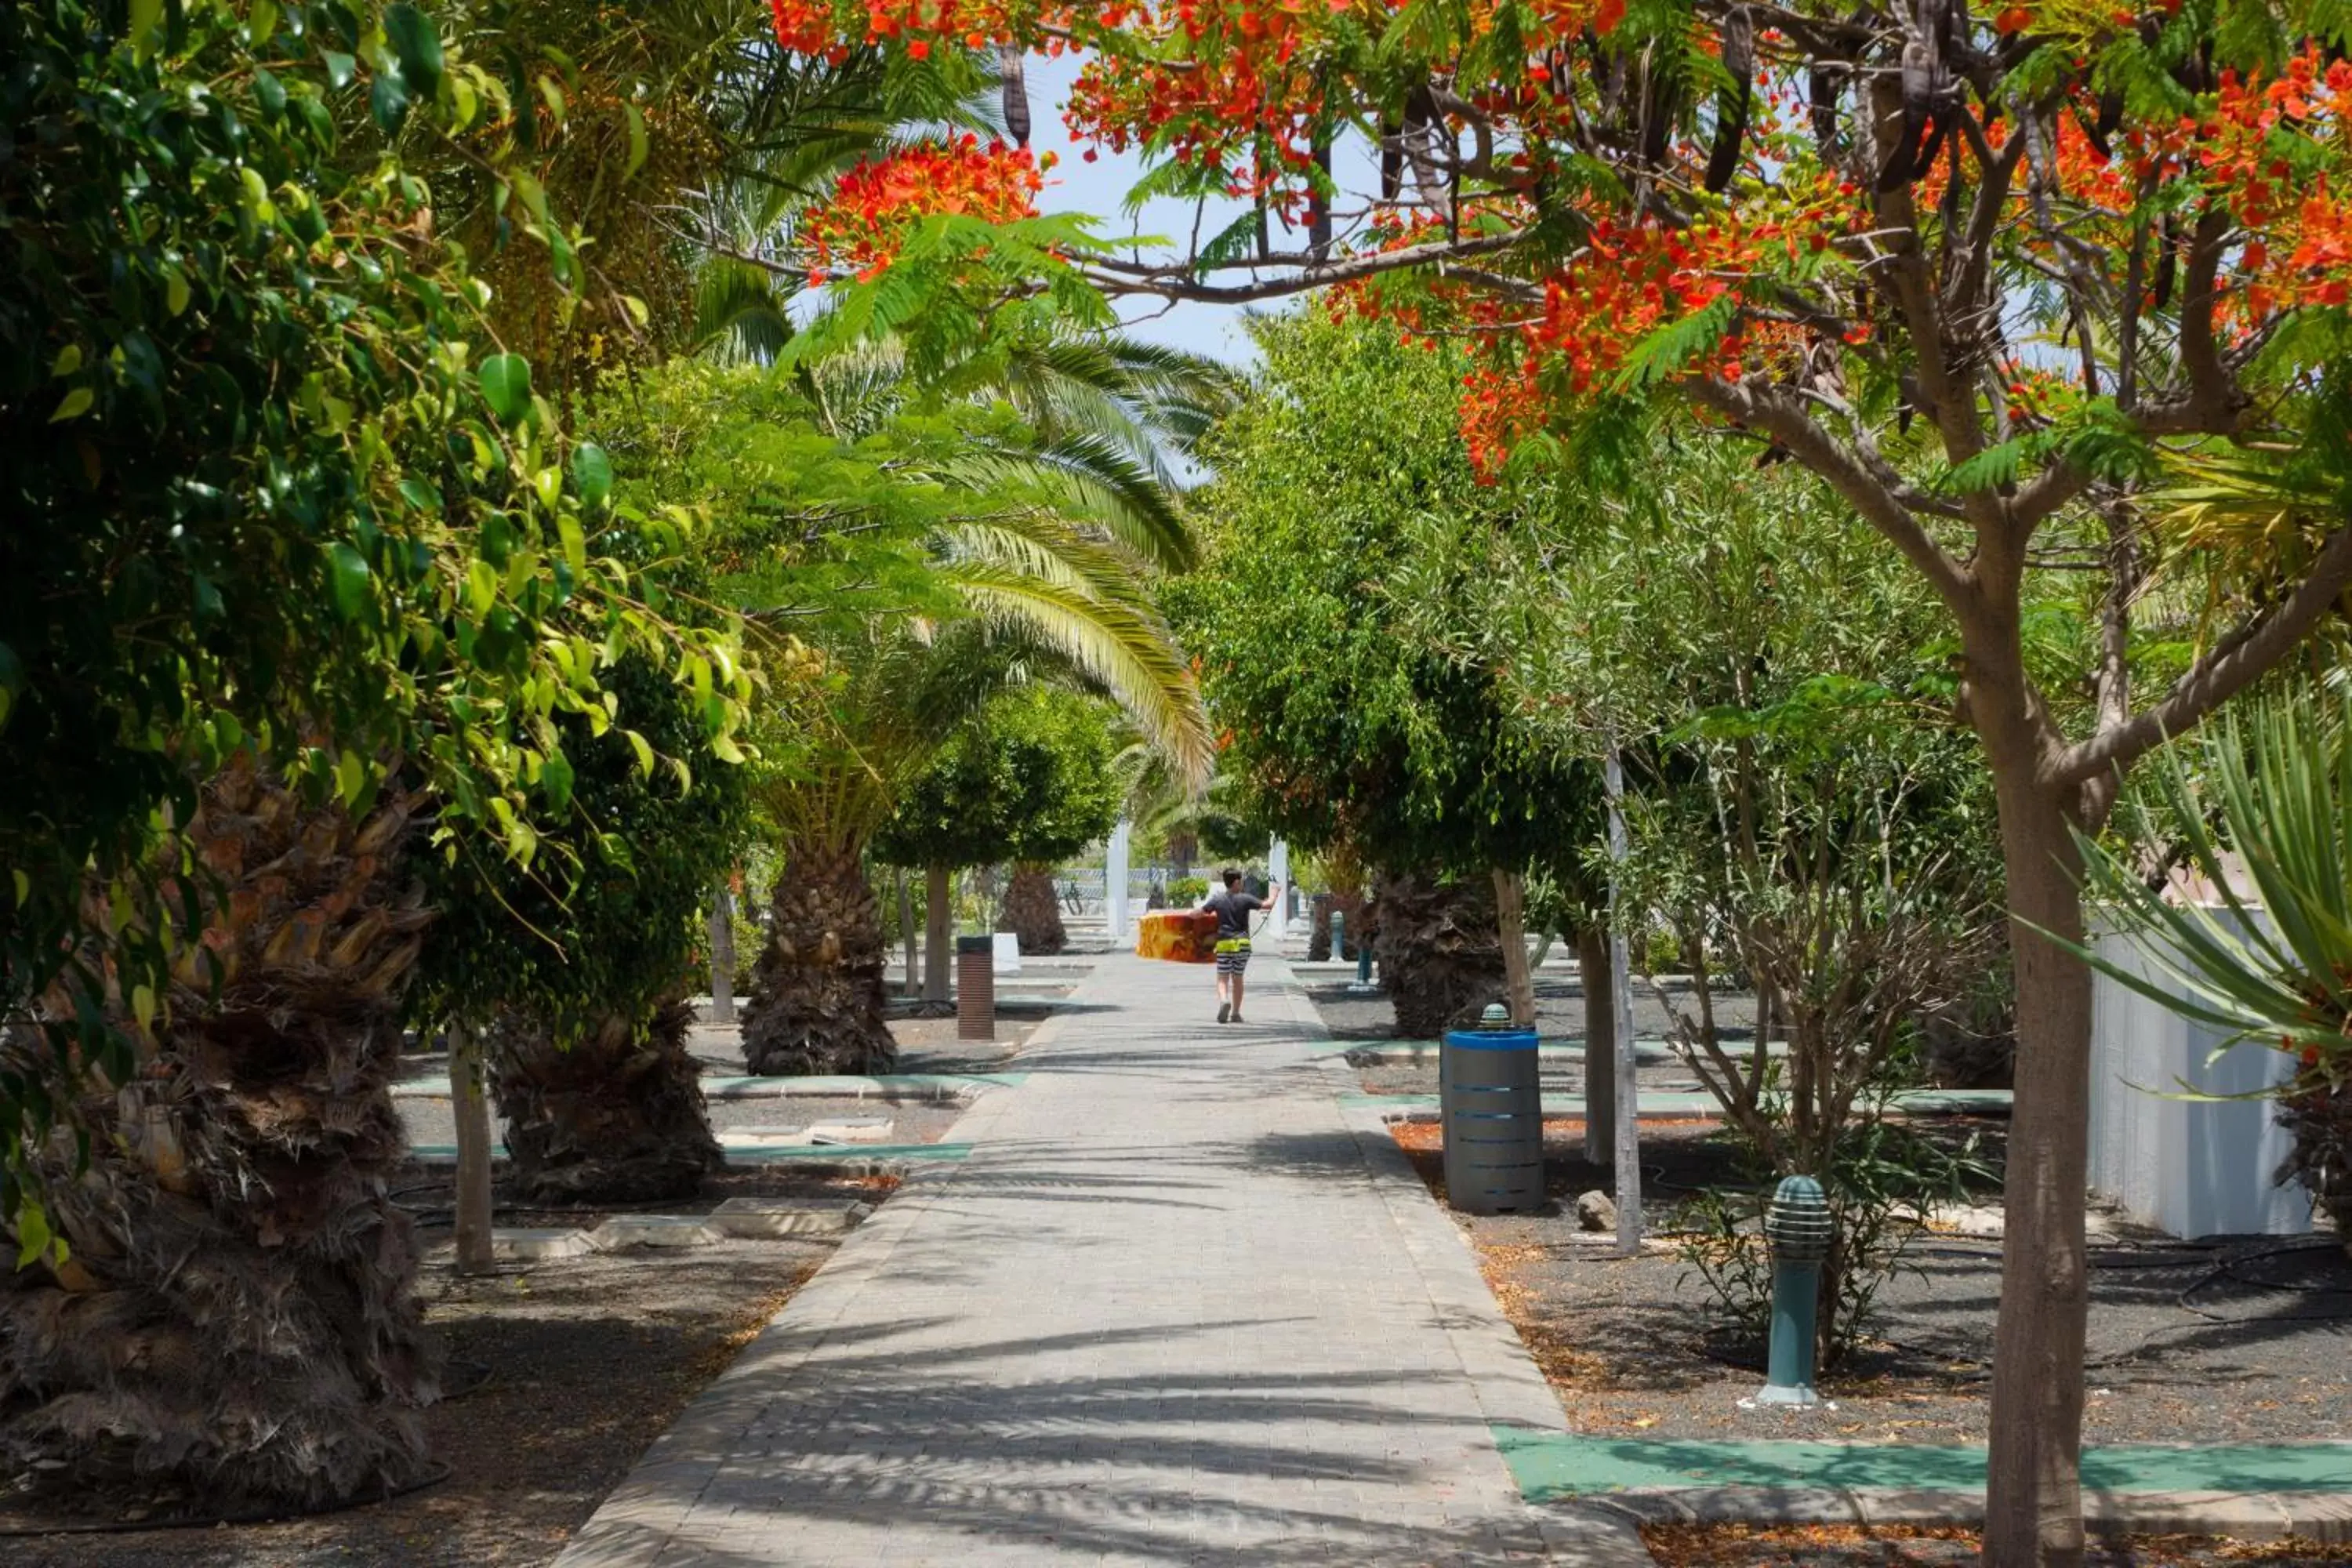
{"x":1092,"y":478}
{"x":1127,"y":649}
{"x":740,"y":311}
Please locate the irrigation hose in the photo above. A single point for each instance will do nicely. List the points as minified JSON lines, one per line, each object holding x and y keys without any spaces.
{"x":435,"y":1473}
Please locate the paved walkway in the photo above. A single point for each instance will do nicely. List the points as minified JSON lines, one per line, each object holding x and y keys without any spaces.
{"x":1180,"y":1305}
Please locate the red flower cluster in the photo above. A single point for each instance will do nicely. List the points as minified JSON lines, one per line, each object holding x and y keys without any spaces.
{"x":825,"y":27}
{"x":1236,"y":88}
{"x":2299,"y":247}
{"x":1228,"y":85}
{"x":862,"y":228}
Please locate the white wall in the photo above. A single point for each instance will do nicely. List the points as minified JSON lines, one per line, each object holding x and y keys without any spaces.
{"x":2187,"y":1167}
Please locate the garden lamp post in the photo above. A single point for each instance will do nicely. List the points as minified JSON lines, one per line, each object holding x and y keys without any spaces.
{"x":1798,"y":1227}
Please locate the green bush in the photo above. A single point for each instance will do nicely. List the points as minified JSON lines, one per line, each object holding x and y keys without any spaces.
{"x":1186,"y":892}
{"x":1885,"y":1180}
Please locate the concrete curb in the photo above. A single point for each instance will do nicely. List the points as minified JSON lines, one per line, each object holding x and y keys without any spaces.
{"x":633,"y":1526}
{"x":1510,"y":1390}
{"x":2325,"y":1517}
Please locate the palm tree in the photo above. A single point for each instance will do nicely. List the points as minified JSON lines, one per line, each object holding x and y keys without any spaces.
{"x":610,"y":1113}
{"x":2269,"y":792}
{"x":236,"y":1300}
{"x":1048,"y":577}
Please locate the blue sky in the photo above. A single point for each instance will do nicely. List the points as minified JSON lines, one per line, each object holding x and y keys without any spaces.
{"x":1100,"y":189}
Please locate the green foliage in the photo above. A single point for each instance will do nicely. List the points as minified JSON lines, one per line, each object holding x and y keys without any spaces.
{"x":261,"y":493}
{"x":2275,"y":966}
{"x":849,"y":514}
{"x":1028,"y":779}
{"x":1883,"y":1187}
{"x":606,"y":918}
{"x":1346,"y":532}
{"x":1183,"y":892}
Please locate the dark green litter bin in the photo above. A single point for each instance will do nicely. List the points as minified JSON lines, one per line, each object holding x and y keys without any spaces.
{"x":1491,"y":1103}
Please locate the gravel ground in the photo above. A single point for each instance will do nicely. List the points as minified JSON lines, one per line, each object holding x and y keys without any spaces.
{"x":2237,"y":1340}
{"x":1738,"y":1546}
{"x":912,"y":1121}
{"x":587,"y":1359}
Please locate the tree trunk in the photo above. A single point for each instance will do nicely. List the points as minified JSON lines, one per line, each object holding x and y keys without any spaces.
{"x":239,"y":1309}
{"x":1033,"y":911}
{"x":615,"y":1116}
{"x":722,"y":956}
{"x":1600,"y":988}
{"x":470,"y":1108}
{"x":1511,"y":926}
{"x":910,"y":981}
{"x":1441,"y":961}
{"x":939,"y":933}
{"x":2033,"y":1498}
{"x":2321,"y":1125}
{"x":1348,"y":904}
{"x":818,"y":999}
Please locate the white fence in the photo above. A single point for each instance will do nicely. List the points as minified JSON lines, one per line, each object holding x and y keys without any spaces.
{"x":2188,"y":1167}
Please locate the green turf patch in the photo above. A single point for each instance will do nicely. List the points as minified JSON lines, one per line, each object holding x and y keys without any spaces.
{"x":1552,"y":1465}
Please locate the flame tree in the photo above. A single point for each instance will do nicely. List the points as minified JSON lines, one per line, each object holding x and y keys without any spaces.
{"x":1989,"y":275}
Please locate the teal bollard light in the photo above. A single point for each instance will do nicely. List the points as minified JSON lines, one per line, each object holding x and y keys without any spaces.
{"x":1798,"y":1227}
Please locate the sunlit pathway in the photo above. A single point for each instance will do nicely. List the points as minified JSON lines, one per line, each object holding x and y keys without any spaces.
{"x":1167,"y":1312}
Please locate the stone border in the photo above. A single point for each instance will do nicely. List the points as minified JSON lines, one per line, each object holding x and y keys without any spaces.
{"x":637,"y":1518}
{"x":2325,"y":1517}
{"x":1510,"y":1391}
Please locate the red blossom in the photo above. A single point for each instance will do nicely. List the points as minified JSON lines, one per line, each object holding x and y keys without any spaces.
{"x":861,"y":228}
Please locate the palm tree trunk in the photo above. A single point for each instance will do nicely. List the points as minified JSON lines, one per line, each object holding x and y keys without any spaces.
{"x":615,"y":1116}
{"x":818,"y":998}
{"x":240,"y":1308}
{"x":2320,"y":1122}
{"x":1441,"y":958}
{"x":1033,"y":911}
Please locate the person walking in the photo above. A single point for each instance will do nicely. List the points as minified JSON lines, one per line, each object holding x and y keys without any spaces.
{"x":1233,"y":906}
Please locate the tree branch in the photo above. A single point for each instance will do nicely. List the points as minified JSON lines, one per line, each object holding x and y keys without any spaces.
{"x":1787,"y":423}
{"x":1179,"y":280}
{"x":2212,"y":392}
{"x":2235,"y":664}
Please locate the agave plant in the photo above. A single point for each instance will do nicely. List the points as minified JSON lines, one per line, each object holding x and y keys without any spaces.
{"x":2276,"y":968}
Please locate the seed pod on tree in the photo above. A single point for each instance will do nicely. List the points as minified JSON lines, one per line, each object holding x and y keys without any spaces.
{"x":1731,"y":106}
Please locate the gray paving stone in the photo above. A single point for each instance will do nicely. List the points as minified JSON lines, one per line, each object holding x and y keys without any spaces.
{"x":1177,"y":1307}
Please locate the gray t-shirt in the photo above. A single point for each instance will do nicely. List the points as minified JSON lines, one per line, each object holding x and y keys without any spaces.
{"x":1233,"y":910}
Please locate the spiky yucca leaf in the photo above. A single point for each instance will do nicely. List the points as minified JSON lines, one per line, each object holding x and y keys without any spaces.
{"x":2281,"y":782}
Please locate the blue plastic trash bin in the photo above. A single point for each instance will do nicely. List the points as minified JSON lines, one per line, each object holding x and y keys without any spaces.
{"x":1491,"y":1104}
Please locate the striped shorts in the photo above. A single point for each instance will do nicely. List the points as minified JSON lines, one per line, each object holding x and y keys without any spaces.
{"x":1232,"y":954}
